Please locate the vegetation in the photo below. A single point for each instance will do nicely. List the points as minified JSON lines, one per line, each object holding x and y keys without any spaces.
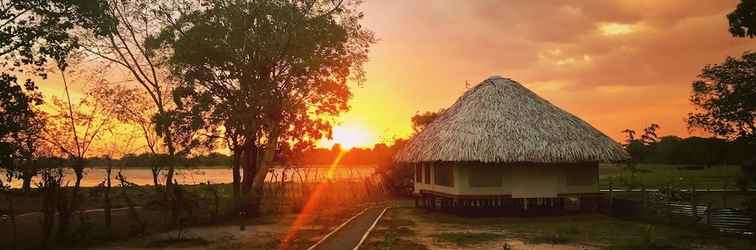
{"x":589,"y":229}
{"x":743,"y":19}
{"x":660,"y":175}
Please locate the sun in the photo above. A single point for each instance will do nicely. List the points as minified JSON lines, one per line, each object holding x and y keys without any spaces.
{"x":350,"y":136}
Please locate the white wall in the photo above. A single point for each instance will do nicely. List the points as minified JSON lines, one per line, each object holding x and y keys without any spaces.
{"x":522,"y":181}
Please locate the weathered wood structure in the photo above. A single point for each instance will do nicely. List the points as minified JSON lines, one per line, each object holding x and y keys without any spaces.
{"x":501,"y":147}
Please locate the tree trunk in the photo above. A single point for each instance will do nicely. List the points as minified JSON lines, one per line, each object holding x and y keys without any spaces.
{"x":26,"y":177}
{"x":69,"y":204}
{"x":108,"y":212}
{"x":156,"y":177}
{"x":262,"y":171}
{"x":250,"y":162}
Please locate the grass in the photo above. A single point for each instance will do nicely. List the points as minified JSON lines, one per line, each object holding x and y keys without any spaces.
{"x":592,"y":229}
{"x":659,"y":175}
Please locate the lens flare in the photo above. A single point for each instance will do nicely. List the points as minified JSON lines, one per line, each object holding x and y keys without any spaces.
{"x":313,"y":202}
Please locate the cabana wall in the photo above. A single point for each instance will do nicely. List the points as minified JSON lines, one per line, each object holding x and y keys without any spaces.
{"x":460,"y":183}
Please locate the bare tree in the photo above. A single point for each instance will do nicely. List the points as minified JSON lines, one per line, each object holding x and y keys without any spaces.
{"x":72,"y":129}
{"x":132,"y":106}
{"x":125,"y":48}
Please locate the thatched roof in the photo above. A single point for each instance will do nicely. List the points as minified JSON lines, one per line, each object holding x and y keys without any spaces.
{"x":501,"y":121}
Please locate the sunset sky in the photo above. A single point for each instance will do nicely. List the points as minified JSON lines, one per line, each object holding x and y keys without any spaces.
{"x":615,"y":64}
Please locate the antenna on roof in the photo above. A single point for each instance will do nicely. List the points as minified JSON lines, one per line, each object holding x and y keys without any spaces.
{"x":467,"y":84}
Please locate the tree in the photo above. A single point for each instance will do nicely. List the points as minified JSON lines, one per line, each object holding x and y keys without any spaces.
{"x":132,"y":106}
{"x":421,"y":121}
{"x":725,"y":98}
{"x":72,"y":129}
{"x":31,"y":31}
{"x":269,"y":73}
{"x":743,"y":19}
{"x":125,"y":47}
{"x":20,"y":125}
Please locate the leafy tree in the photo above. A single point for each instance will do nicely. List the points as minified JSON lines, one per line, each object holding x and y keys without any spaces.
{"x":725,"y":98}
{"x":31,"y":31}
{"x":19,"y":127}
{"x":421,"y":121}
{"x":743,"y":19}
{"x":270,"y":73}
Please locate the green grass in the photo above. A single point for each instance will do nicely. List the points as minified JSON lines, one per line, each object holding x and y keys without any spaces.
{"x":660,"y":175}
{"x":465,"y":238}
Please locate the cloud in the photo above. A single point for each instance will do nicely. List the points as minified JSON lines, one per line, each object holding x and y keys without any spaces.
{"x":615,"y":63}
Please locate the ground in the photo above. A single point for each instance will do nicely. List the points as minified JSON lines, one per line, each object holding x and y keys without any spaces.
{"x":411,"y":228}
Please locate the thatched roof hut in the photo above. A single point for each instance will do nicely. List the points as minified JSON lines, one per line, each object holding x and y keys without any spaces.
{"x":499,"y":120}
{"x":503,"y":142}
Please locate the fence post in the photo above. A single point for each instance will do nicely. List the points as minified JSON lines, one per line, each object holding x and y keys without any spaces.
{"x":611,"y":196}
{"x":724,"y":195}
{"x":644,"y":200}
{"x":693,"y":199}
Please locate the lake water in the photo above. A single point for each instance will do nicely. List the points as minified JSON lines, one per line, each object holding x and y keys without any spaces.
{"x":143,"y":176}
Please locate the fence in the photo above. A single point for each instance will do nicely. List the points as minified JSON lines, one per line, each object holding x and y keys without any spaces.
{"x":679,"y":207}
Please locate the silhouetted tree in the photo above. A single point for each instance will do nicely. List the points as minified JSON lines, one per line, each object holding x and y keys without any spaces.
{"x":72,"y":129}
{"x":420,"y":121}
{"x":271,"y":71}
{"x":725,"y":98}
{"x":743,"y":19}
{"x":20,"y":127}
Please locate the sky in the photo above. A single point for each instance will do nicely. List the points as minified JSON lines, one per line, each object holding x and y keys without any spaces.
{"x":615,"y":64}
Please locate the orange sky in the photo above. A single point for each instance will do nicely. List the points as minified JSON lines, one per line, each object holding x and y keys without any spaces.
{"x":615,"y":64}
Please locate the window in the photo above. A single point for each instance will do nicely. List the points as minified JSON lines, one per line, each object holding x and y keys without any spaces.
{"x":444,"y":176}
{"x":427,"y":174}
{"x":485,"y":177}
{"x":418,"y":174}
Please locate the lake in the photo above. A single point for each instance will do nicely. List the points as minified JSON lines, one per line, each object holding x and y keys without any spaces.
{"x":143,"y":176}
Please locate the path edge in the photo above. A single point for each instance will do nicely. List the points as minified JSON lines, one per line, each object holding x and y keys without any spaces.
{"x":337,"y":229}
{"x":367,"y":233}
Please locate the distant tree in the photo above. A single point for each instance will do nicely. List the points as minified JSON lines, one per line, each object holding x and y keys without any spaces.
{"x":421,"y":121}
{"x":271,"y":72}
{"x":649,"y":136}
{"x":743,"y":19}
{"x":132,"y":106}
{"x":725,"y":98}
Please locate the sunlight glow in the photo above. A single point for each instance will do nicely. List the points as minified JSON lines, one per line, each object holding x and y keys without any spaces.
{"x":351,"y":135}
{"x":611,"y":29}
{"x":312,"y":203}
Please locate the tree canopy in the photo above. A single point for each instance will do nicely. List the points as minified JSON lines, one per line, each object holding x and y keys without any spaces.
{"x":743,"y":19}
{"x":34,"y":30}
{"x":725,"y":98}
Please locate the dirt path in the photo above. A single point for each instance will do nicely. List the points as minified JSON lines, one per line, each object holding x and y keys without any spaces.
{"x":349,"y":235}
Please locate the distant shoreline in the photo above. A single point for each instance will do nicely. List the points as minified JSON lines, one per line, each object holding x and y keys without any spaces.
{"x":229,"y":167}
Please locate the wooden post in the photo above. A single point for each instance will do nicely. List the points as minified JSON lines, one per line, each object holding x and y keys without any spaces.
{"x":611,"y":196}
{"x":724,"y":196}
{"x":693,"y":199}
